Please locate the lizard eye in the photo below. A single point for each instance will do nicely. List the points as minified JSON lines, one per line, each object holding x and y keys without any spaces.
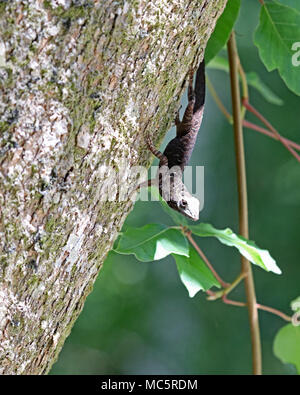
{"x":183,"y":203}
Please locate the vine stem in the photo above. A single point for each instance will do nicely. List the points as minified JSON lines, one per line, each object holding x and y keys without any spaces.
{"x":243,"y":202}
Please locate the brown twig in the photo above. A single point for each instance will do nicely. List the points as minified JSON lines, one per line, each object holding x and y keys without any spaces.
{"x":257,"y":128}
{"x":270,"y":127}
{"x":259,"y":306}
{"x":233,"y":302}
{"x":274,"y":311}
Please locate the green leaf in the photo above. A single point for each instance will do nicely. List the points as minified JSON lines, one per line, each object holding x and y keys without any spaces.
{"x":220,"y":63}
{"x":222,"y":30}
{"x":246,"y":247}
{"x":278,"y":30}
{"x":194,"y":274}
{"x":152,"y":242}
{"x":287,"y":345}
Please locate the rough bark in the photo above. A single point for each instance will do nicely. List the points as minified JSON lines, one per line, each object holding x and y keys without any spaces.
{"x":81,"y":84}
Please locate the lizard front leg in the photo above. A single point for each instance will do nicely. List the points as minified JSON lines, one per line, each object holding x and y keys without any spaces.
{"x":163,"y":160}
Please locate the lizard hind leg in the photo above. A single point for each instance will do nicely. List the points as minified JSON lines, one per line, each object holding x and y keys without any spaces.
{"x":186,"y":123}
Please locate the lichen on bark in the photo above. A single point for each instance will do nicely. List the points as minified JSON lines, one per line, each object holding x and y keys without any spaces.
{"x":82,"y":82}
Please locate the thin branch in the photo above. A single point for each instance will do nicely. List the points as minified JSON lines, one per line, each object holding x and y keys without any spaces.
{"x":274,"y":311}
{"x":260,"y":307}
{"x":270,"y":127}
{"x":233,"y":302}
{"x":225,"y":291}
{"x":257,"y":128}
{"x":243,"y":203}
{"x":228,"y":289}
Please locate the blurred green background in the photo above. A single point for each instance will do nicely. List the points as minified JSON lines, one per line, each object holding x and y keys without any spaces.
{"x":139,"y":318}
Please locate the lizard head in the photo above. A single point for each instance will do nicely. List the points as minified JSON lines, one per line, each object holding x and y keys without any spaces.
{"x":175,"y":193}
{"x":188,"y":206}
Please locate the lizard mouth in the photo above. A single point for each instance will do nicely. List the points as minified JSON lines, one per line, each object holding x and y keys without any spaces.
{"x":190,"y":216}
{"x":187,"y":213}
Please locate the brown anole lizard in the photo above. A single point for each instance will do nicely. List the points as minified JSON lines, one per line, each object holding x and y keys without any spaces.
{"x":179,"y":150}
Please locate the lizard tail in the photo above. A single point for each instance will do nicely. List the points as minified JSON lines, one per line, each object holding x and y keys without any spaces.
{"x":200,"y":87}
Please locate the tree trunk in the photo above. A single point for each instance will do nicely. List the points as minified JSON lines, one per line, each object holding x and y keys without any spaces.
{"x":81,"y":83}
